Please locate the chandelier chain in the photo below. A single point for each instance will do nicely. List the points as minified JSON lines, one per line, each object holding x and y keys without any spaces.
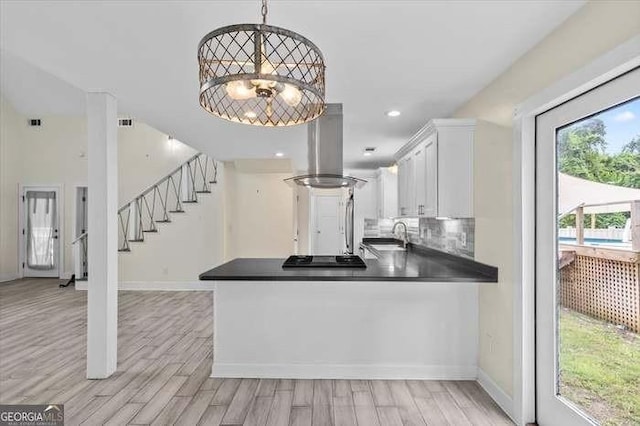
{"x":264,"y":11}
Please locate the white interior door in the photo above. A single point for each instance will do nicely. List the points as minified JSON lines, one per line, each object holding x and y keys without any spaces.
{"x":41,"y":232}
{"x":556,"y":403}
{"x":329,"y":232}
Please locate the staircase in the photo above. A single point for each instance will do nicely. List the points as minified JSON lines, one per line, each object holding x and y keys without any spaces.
{"x":167,"y":197}
{"x":156,"y":204}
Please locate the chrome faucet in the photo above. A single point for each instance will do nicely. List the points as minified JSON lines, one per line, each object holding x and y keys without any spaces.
{"x":405,"y":239}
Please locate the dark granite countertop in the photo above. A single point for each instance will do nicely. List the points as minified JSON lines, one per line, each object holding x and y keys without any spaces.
{"x":415,"y":264}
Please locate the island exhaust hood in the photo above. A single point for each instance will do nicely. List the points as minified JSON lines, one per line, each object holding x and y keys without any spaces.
{"x":325,"y":154}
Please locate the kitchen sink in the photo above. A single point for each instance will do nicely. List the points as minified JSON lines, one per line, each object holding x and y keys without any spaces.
{"x":387,"y":247}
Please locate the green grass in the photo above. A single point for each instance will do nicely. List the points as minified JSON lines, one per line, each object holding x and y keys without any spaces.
{"x":600,"y":368}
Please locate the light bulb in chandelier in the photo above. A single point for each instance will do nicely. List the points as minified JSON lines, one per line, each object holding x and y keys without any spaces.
{"x":240,"y":90}
{"x":291,"y":95}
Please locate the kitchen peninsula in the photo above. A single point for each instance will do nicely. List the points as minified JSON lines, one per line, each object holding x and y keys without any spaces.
{"x":410,"y":314}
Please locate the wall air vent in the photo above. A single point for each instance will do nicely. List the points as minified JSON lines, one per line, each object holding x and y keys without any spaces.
{"x":369,"y":151}
{"x":125,"y":122}
{"x":35,"y":122}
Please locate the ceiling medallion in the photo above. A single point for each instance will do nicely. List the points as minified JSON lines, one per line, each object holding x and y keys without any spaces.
{"x":261,"y":75}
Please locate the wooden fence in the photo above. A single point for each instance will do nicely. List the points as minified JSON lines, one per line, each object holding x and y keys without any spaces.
{"x":603,"y":283}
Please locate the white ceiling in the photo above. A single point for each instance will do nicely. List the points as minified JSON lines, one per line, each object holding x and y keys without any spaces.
{"x":424,"y":58}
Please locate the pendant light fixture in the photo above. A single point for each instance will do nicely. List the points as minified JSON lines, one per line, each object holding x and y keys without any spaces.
{"x":261,"y":75}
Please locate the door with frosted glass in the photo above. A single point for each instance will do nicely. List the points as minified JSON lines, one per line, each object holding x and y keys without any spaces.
{"x":587,"y":280}
{"x":41,"y":242}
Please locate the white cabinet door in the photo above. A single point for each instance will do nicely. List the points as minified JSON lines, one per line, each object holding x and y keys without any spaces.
{"x":390,"y":196}
{"x":412,"y":209}
{"x":403,"y":187}
{"x":387,"y":201}
{"x":420,"y":179}
{"x":430,"y":208}
{"x":455,"y":171}
{"x":381,"y":191}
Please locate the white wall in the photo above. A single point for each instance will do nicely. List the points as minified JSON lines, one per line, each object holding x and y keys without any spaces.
{"x":55,"y":153}
{"x":46,"y":155}
{"x":595,"y":29}
{"x":10,"y":138}
{"x":365,"y":205}
{"x":303,"y":219}
{"x":258,"y":214}
{"x":145,"y":155}
{"x":493,"y":211}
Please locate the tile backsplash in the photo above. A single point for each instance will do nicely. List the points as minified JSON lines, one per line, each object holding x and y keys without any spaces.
{"x":455,"y":236}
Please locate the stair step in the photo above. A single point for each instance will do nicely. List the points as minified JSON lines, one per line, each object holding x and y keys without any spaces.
{"x":163,"y":221}
{"x":213,"y":181}
{"x":203,"y":192}
{"x":137,"y":240}
{"x":176,"y":211}
{"x":123,"y":250}
{"x":149,"y":230}
{"x":190,"y":201}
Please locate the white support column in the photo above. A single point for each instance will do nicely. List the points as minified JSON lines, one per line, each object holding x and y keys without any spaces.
{"x":102,"y":305}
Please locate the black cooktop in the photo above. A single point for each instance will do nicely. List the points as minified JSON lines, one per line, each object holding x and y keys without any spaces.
{"x":348,"y":261}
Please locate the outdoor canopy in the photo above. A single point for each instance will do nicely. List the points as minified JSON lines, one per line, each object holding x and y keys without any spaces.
{"x":596,"y":197}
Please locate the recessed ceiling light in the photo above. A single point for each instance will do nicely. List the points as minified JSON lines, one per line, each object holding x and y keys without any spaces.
{"x":393,"y":113}
{"x":367,"y":154}
{"x":279,"y":154}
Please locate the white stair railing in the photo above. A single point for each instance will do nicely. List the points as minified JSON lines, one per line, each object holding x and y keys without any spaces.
{"x":154,"y":205}
{"x":166,"y":197}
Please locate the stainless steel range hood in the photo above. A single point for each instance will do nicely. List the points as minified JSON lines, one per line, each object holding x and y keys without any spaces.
{"x":325,"y":153}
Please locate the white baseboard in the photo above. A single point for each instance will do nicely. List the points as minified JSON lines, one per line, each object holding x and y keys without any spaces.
{"x":345,"y":371}
{"x":157,"y":285}
{"x":496,"y":393}
{"x":8,"y":277}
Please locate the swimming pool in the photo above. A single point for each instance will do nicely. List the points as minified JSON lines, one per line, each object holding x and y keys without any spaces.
{"x":596,"y":242}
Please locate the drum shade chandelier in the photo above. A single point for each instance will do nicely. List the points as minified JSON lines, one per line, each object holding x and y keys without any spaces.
{"x":261,"y":75}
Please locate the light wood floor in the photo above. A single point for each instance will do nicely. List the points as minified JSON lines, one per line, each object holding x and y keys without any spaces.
{"x":164,"y":360}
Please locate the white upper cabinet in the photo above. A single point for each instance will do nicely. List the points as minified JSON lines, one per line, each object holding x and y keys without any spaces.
{"x":435,"y":170}
{"x":387,"y":199}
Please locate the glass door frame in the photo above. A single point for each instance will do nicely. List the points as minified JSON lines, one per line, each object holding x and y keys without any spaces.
{"x":22,"y":224}
{"x":600,"y":99}
{"x":605,"y":68}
